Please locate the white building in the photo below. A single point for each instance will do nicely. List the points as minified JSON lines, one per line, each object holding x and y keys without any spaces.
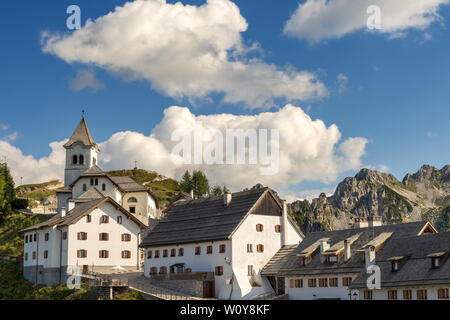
{"x":225,"y":241}
{"x":100,"y":222}
{"x":327,"y":265}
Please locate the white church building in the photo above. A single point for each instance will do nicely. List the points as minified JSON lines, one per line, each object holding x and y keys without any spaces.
{"x":100,"y":222}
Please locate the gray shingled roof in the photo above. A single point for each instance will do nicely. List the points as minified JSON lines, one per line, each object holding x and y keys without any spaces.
{"x":127,"y":184}
{"x":415,"y":267}
{"x":204,"y":219}
{"x":82,"y":135}
{"x":286,"y":261}
{"x":92,"y":194}
{"x":93,"y":171}
{"x":78,"y":211}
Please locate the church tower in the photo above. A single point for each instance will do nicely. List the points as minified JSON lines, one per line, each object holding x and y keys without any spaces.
{"x":81,"y":153}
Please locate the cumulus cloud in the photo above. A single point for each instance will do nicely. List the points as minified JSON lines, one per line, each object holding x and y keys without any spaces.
{"x":308,"y":150}
{"x":342,"y":81}
{"x":85,"y":79}
{"x":315,"y":20}
{"x":184,"y":51}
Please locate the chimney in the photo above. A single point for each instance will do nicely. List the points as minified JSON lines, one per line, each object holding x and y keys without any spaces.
{"x":324,"y":246}
{"x":227,"y":198}
{"x":63,"y":212}
{"x":71,"y":204}
{"x":347,"y":251}
{"x":284,"y":225}
{"x":375,"y":221}
{"x":369,"y":256}
{"x":192,"y":194}
{"x":361,"y":223}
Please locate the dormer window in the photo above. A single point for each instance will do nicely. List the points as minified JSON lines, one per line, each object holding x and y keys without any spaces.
{"x":435,"y":262}
{"x":332,"y":259}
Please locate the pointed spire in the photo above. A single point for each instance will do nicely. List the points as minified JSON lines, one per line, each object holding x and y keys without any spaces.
{"x":82,"y":135}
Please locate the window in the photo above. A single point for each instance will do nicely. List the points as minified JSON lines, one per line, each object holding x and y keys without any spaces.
{"x":132,"y":210}
{"x":392,"y":294}
{"x":45,"y":254}
{"x":249,"y":248}
{"x":422,"y":294}
{"x":74,"y":159}
{"x":47,"y":236}
{"x":96,"y":182}
{"x":26,"y":239}
{"x":435,"y":263}
{"x":126,"y":254}
{"x":163,"y":270}
{"x":84,"y":187}
{"x":333,"y":282}
{"x":165,"y":253}
{"x":198,"y":251}
{"x":88,"y":218}
{"x":260,"y":248}
{"x":346,"y":281}
{"x":407,"y":294}
{"x":35,"y":237}
{"x":312,"y":283}
{"x":332,"y":259}
{"x":153,"y":270}
{"x":180,"y":252}
{"x":291,"y":283}
{"x":82,"y":253}
{"x":132,"y":200}
{"x":82,"y":236}
{"x":222,"y":248}
{"x":26,"y":256}
{"x":173,"y":252}
{"x":103,"y":187}
{"x":126,"y":237}
{"x":81,"y":159}
{"x":323,"y":282}
{"x":119,"y":219}
{"x":278,"y":228}
{"x":368,"y":295}
{"x":209,"y":249}
{"x":250,"y":271}
{"x":105,"y":219}
{"x":443,"y":294}
{"x":259,"y":228}
{"x":149,"y":254}
{"x":298,"y":283}
{"x":92,"y":181}
{"x":157,"y":254}
{"x":103,"y":254}
{"x":172,"y":269}
{"x":395,"y":265}
{"x":64,"y":235}
{"x":103,"y":236}
{"x":219,"y":271}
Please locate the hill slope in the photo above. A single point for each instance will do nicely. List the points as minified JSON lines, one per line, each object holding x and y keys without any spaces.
{"x":424,"y":195}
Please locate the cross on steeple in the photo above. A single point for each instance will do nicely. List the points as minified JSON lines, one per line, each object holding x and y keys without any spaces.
{"x":135,"y":164}
{"x":82,"y":111}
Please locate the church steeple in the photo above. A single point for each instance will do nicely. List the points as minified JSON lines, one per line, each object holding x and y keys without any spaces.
{"x":81,"y":152}
{"x":82,"y":135}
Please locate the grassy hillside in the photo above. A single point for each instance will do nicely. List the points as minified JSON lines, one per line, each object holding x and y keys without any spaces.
{"x":162,"y":187}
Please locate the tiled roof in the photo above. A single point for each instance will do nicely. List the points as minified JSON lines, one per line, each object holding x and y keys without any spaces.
{"x":288,"y":262}
{"x":93,"y":171}
{"x":127,"y":184}
{"x":92,"y":194}
{"x":204,"y":219}
{"x":82,"y":135}
{"x":414,"y":255}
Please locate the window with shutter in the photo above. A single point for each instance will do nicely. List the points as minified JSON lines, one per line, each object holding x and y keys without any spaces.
{"x":443,"y":293}
{"x":312,"y":283}
{"x":126,"y":237}
{"x":173,"y":252}
{"x":392,"y":294}
{"x":292,"y":283}
{"x":198,"y":251}
{"x":299,"y":283}
{"x":346,"y":281}
{"x":260,"y":248}
{"x":209,"y":249}
{"x":422,"y":294}
{"x":407,"y":294}
{"x":368,"y":295}
{"x":250,"y":270}
{"x":278,"y":228}
{"x":323,"y":282}
{"x":249,"y":248}
{"x":222,"y":248}
{"x":157,"y":254}
{"x":165,"y":253}
{"x":88,"y":218}
{"x":333,"y":282}
{"x":259,"y":228}
{"x":126,"y":254}
{"x":163,"y":270}
{"x":104,"y":236}
{"x":47,"y":236}
{"x":149,"y":254}
{"x":180,"y":252}
{"x":219,"y":271}
{"x":105,"y":219}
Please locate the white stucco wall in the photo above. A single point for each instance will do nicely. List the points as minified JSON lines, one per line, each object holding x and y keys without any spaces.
{"x":111,"y":190}
{"x":198,"y":263}
{"x":306,"y":293}
{"x":93,"y":245}
{"x":145,"y":205}
{"x":247,"y":234}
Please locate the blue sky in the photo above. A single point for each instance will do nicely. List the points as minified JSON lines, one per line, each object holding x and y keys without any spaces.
{"x":396,"y":96}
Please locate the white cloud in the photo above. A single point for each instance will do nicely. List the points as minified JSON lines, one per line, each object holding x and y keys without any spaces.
{"x":309,"y":150}
{"x":315,"y":20}
{"x":342,"y":81}
{"x":85,"y":79}
{"x":184,"y":51}
{"x":11,"y":137}
{"x":3,"y":127}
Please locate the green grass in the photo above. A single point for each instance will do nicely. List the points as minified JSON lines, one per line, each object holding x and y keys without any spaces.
{"x":139,"y":175}
{"x":11,"y":241}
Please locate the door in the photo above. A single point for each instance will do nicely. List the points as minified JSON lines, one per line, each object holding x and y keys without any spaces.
{"x":85,"y":269}
{"x":281,"y":286}
{"x":208,"y":289}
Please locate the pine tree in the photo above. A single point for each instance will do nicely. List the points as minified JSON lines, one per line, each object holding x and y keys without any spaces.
{"x":200,"y":183}
{"x":217,"y":190}
{"x":186,"y":182}
{"x":7,"y":192}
